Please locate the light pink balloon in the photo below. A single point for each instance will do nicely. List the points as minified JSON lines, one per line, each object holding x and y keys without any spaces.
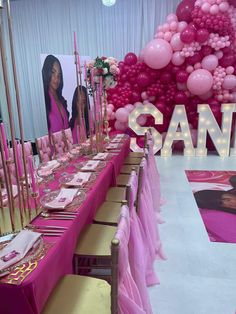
{"x":138,"y":104}
{"x":158,"y":53}
{"x":113,"y":116}
{"x":176,"y":42}
{"x":167,"y":36}
{"x":206,"y":7}
{"x":214,"y":9}
{"x":210,"y":62}
{"x":230,"y":70}
{"x":171,"y":17}
{"x":129,"y":107}
{"x":151,"y":98}
{"x":177,"y":59}
{"x":229,"y":82}
{"x":200,"y":82}
{"x":189,"y":69}
{"x":219,"y":54}
{"x":144,"y":95}
{"x":142,"y":119}
{"x":120,"y":126}
{"x":111,"y":106}
{"x":224,"y":6}
{"x":182,"y":25}
{"x":109,"y":111}
{"x":122,"y":115}
{"x":173,"y":26}
{"x":146,"y":102}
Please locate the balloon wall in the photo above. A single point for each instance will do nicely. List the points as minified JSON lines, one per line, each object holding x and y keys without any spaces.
{"x":190,"y":61}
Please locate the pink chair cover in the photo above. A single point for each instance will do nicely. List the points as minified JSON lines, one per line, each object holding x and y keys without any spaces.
{"x":147,"y":218}
{"x":44,"y":148}
{"x":28,"y":152}
{"x":129,"y":300}
{"x":69,"y":138}
{"x":154,"y":179}
{"x":138,"y":253}
{"x":58,"y":142}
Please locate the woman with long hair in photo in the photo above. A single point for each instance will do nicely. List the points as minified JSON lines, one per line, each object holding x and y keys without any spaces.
{"x":56,"y":106}
{"x":80,"y":100}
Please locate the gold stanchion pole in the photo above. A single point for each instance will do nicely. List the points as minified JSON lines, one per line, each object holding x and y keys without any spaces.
{"x":18,"y":103}
{"x":80,"y":139}
{"x":9,"y":106}
{"x":106,"y":123}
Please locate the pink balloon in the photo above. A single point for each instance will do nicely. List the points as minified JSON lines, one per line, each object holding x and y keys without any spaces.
{"x":122,"y":115}
{"x":230,"y":70}
{"x":171,"y":18}
{"x":130,"y":58}
{"x":138,"y":104}
{"x":111,"y":106}
{"x":210,"y":62}
{"x":113,"y":115}
{"x":142,"y":119}
{"x":200,"y":82}
{"x":109,"y":112}
{"x":158,"y":53}
{"x":182,"y":25}
{"x":176,"y":42}
{"x":207,"y":95}
{"x":177,"y":59}
{"x":229,"y":82}
{"x":120,"y":126}
{"x":129,"y":107}
{"x":144,"y":95}
{"x":188,"y":35}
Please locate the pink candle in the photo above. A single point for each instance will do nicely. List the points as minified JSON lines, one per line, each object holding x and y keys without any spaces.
{"x":18,"y":159}
{"x":78,"y":61}
{"x":98,"y":104}
{"x":75,"y":46}
{"x":4,"y":139}
{"x":31,"y":171}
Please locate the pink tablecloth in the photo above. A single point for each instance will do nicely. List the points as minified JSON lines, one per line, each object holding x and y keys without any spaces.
{"x":30,"y":296}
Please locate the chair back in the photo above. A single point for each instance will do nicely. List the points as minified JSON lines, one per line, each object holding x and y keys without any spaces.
{"x":44,"y":150}
{"x":59,"y":142}
{"x":68,"y":138}
{"x":125,"y":297}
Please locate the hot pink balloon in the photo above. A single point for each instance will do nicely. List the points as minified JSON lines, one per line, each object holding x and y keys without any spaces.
{"x":122,"y":115}
{"x":210,"y":62}
{"x":176,"y":42}
{"x":188,"y":35}
{"x":200,"y":82}
{"x":184,"y":10}
{"x":202,"y":35}
{"x":182,"y":76}
{"x":130,"y":58}
{"x":157,"y":54}
{"x":143,"y":79}
{"x":177,"y":59}
{"x":229,"y":82}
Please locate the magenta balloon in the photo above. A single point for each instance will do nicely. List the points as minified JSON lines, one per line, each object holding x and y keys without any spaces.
{"x":188,"y":35}
{"x":166,"y":77}
{"x":143,"y":79}
{"x":181,"y":76}
{"x":233,"y":2}
{"x":202,"y":35}
{"x":194,"y":59}
{"x":135,"y":97}
{"x":210,"y":62}
{"x":229,"y":82}
{"x":184,"y":10}
{"x":181,"y":98}
{"x":199,"y":82}
{"x":157,"y":54}
{"x":227,"y":60}
{"x":130,"y":58}
{"x":206,"y":50}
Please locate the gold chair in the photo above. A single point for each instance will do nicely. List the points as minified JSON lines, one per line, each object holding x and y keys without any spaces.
{"x":132,"y":161}
{"x":127,"y":169}
{"x":122,"y":180}
{"x":136,"y":154}
{"x":116,"y":194}
{"x":86,"y":295}
{"x":108,"y":213}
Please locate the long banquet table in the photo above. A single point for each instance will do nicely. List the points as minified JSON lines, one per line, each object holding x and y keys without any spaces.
{"x":30,"y":295}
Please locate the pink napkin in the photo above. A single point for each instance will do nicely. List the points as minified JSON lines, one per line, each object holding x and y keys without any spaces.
{"x":120,"y":135}
{"x":4,"y":194}
{"x":116,"y":140}
{"x":17,"y":248}
{"x":50,"y":165}
{"x":79,"y":179}
{"x":64,"y":198}
{"x":101,"y":156}
{"x":91,"y":165}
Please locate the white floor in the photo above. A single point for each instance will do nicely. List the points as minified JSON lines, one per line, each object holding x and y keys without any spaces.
{"x":199,"y":276}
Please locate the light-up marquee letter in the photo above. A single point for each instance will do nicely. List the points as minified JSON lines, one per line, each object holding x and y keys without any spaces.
{"x":208,"y":123}
{"x":141,"y":130}
{"x":178,"y":119}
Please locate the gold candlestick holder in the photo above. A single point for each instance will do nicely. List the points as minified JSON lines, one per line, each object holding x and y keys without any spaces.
{"x":35,"y":196}
{"x":105,"y":120}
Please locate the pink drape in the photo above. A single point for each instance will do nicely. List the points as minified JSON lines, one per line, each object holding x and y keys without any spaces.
{"x":129,"y":300}
{"x":138,"y":252}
